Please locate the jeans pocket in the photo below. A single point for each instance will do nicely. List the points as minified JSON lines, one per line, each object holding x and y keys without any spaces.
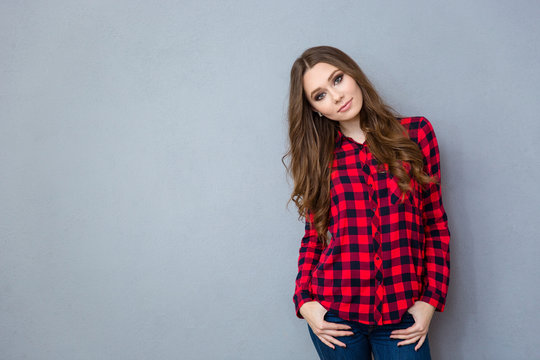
{"x":407,"y":317}
{"x":332,"y":317}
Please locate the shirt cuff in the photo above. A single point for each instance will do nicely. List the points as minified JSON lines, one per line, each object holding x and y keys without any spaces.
{"x":299,"y":299}
{"x":433,"y":298}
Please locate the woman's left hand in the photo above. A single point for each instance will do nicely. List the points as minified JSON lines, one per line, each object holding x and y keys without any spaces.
{"x":422,"y":313}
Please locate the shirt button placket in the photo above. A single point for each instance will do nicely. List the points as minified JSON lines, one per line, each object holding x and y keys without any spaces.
{"x":377,"y":260}
{"x":378,"y":269}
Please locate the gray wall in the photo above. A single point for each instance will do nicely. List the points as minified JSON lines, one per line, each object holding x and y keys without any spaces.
{"x":143,"y":197}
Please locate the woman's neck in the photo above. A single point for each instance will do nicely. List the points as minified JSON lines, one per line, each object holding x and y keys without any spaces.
{"x":351,"y":128}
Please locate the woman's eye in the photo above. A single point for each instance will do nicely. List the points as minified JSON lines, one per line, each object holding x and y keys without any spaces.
{"x":339,"y":77}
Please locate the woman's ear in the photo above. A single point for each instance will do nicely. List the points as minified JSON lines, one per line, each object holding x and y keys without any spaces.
{"x":316,"y":111}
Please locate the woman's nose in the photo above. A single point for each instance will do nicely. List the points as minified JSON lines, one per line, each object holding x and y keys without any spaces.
{"x":337,"y":96}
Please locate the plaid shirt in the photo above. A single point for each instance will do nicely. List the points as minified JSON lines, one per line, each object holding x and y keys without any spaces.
{"x":384,"y":255}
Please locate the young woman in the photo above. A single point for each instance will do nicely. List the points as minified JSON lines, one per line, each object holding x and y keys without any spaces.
{"x":374,"y":262}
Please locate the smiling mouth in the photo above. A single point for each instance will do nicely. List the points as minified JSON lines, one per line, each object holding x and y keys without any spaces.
{"x":345,"y":106}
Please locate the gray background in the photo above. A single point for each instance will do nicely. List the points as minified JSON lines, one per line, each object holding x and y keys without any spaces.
{"x":143,"y":196}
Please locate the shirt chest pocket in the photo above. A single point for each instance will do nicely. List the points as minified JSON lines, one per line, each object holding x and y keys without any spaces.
{"x":389,"y":192}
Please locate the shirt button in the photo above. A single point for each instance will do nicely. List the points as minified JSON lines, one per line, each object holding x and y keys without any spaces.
{"x":377,"y":257}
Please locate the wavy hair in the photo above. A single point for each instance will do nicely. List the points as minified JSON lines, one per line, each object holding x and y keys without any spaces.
{"x":312,"y":139}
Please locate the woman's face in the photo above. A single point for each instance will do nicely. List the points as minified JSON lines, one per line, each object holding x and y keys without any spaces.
{"x":333,"y":93}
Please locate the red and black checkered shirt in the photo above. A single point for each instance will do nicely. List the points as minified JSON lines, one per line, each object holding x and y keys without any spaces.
{"x":383,"y":255}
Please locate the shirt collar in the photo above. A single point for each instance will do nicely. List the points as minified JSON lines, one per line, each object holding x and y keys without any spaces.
{"x":338,"y":139}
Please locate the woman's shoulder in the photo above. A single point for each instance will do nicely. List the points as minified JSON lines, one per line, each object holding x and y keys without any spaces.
{"x":414,"y":122}
{"x":417,"y":126}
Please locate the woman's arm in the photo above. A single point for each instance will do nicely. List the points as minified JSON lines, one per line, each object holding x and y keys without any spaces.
{"x":437,"y":234}
{"x":309,"y":254}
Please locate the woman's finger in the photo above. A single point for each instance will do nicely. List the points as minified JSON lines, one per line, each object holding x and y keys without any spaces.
{"x":336,"y":333}
{"x":410,"y":341}
{"x":336,"y":329}
{"x":325,"y":341}
{"x":408,"y":336}
{"x":422,"y":339}
{"x":334,"y":326}
{"x":411,"y":329}
{"x":333,"y":340}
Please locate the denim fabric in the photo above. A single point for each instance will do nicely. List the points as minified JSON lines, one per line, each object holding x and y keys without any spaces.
{"x":369,"y":339}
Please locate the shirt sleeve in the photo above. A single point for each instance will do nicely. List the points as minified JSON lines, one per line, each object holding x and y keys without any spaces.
{"x":437,"y":234}
{"x":309,"y":254}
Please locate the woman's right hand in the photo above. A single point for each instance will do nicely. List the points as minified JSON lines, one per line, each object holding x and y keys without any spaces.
{"x":314,"y":313}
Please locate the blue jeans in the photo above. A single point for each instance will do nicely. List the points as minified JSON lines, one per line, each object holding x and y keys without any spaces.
{"x":370,"y":338}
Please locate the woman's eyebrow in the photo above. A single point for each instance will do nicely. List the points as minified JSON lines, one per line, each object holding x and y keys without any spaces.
{"x":329,"y":78}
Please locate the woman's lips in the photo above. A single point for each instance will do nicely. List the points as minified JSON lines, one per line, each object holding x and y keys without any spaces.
{"x":346,"y":106}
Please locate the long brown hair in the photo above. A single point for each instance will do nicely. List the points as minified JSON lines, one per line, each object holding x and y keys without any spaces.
{"x":312,"y":139}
